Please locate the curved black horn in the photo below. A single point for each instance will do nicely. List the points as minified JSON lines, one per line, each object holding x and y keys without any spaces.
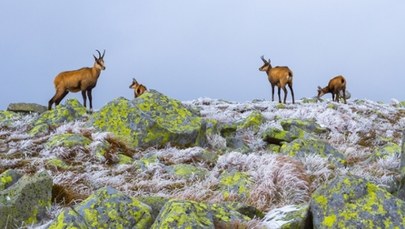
{"x":264,"y":60}
{"x":99,"y":54}
{"x":103,"y":54}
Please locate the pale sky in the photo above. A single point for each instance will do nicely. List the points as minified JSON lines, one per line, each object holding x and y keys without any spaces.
{"x":202,"y":48}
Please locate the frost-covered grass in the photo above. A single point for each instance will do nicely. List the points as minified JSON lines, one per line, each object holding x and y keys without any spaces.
{"x":356,"y":130}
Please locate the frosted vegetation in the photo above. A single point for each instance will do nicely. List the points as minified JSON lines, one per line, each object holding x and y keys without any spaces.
{"x":357,"y":130}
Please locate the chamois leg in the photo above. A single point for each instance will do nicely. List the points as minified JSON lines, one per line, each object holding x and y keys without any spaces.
{"x":333,"y":97}
{"x":292,"y":92}
{"x":90,"y":99}
{"x":338,"y":97}
{"x":272,"y":92}
{"x":59,"y":98}
{"x":344,"y":95}
{"x":285,"y":94}
{"x":84,"y":98}
{"x":279,"y":94}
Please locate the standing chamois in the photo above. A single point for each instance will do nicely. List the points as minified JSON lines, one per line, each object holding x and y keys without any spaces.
{"x":139,"y":89}
{"x":280,"y":76}
{"x":84,"y":80}
{"x":336,"y":86}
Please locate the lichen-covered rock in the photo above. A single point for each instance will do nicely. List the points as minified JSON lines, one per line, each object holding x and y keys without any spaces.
{"x":156,"y":203}
{"x":253,"y":121}
{"x":26,"y":201}
{"x":302,"y":147}
{"x":152,"y":119}
{"x":235,"y":183}
{"x":401,"y":191}
{"x":8,"y":178}
{"x":287,"y":217}
{"x":191,"y":214}
{"x":56,"y":164}
{"x":387,"y":150}
{"x":187,"y":171}
{"x":107,"y":208}
{"x":353,"y":202}
{"x":307,"y":125}
{"x":277,"y":136}
{"x":70,"y":111}
{"x":67,"y":140}
{"x":26,"y":108}
{"x":7,"y":118}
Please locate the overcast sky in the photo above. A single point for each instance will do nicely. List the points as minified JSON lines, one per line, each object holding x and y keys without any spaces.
{"x":202,"y":48}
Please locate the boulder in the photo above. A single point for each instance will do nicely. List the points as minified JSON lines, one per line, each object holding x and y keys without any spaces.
{"x":187,"y":171}
{"x":7,"y":118}
{"x":26,"y":201}
{"x":106,"y":208}
{"x":27,"y":108}
{"x":8,"y":178}
{"x":385,"y":151}
{"x":401,"y":191}
{"x":276,"y":136}
{"x":70,"y":111}
{"x":67,"y":140}
{"x":353,"y":202}
{"x":253,"y":121}
{"x":235,"y":183}
{"x":151,"y":120}
{"x":308,"y":125}
{"x":287,"y":217}
{"x":302,"y":147}
{"x":191,"y":214}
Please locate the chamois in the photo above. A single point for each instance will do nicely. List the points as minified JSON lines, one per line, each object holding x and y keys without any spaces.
{"x":84,"y":80}
{"x":280,"y":76}
{"x":139,"y":89}
{"x":336,"y":86}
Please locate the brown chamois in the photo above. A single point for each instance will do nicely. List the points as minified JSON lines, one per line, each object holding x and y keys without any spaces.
{"x":280,"y":76}
{"x":139,"y":89}
{"x":84,"y":80}
{"x":336,"y":86}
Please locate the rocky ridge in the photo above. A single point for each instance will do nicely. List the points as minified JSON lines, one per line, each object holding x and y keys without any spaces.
{"x":155,"y":162}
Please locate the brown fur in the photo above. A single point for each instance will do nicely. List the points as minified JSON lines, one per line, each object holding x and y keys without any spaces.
{"x":84,"y":80}
{"x":279,"y":76}
{"x":139,"y":89}
{"x":335,"y":85}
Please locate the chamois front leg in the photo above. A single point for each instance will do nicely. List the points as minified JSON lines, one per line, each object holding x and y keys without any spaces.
{"x":84,"y":98}
{"x":272,"y":92}
{"x":90,"y":99}
{"x":279,"y":94}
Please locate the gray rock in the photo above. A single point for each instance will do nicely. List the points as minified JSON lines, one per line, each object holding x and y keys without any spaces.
{"x":27,"y":108}
{"x":307,"y":125}
{"x":8,"y":178}
{"x":401,"y":191}
{"x":353,"y":202}
{"x":107,"y":208}
{"x":151,"y":120}
{"x":26,"y":201}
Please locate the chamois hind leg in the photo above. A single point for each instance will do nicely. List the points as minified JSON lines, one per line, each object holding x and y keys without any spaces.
{"x":57,"y":101}
{"x":344,"y":95}
{"x":292,"y":92}
{"x":279,"y":94}
{"x":285,"y":94}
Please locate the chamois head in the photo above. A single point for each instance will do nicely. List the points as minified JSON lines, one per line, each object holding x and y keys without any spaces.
{"x":266,"y":65}
{"x":99,"y":62}
{"x":139,"y":89}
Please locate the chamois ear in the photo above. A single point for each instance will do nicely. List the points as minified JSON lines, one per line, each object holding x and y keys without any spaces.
{"x":319,"y":88}
{"x":134,"y":80}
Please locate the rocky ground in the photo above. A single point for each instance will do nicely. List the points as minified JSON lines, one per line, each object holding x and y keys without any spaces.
{"x":155,"y":162}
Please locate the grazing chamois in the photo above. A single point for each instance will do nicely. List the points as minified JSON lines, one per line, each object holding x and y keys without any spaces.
{"x":84,"y":80}
{"x":139,"y":89}
{"x":280,"y":76}
{"x":336,"y":86}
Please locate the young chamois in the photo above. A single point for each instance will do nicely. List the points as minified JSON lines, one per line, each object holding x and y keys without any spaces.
{"x":336,"y":86}
{"x":84,"y":80}
{"x":280,"y":76}
{"x":139,"y":89}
